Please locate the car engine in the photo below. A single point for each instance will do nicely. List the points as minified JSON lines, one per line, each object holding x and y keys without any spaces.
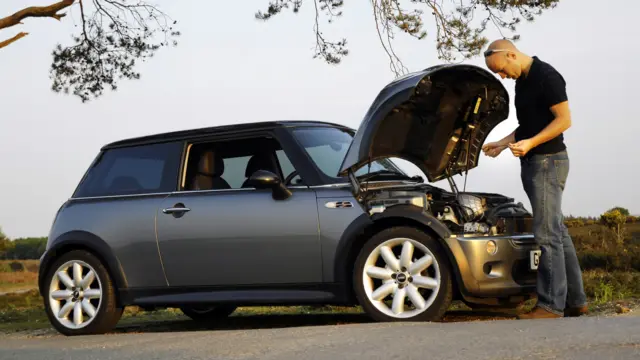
{"x":464,"y":213}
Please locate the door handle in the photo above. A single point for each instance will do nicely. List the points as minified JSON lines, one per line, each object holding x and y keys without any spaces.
{"x":173,"y":210}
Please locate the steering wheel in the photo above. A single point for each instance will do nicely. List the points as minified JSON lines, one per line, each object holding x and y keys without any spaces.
{"x":290,"y":177}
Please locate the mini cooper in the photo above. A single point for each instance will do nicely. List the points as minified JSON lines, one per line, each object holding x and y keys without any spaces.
{"x":297,"y":212}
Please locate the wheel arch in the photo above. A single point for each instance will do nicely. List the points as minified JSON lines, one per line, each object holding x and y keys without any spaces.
{"x":399,"y":215}
{"x":82,"y":240}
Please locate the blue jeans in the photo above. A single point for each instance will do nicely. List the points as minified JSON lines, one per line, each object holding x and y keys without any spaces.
{"x":559,"y":275}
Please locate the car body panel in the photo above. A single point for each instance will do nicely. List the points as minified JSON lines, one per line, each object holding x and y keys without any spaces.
{"x":240,"y":237}
{"x":80,"y":240}
{"x":426,"y":118}
{"x":337,"y":210}
{"x":127,"y":225}
{"x":499,"y":275}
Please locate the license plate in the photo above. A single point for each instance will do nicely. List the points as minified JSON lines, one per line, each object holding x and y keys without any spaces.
{"x":534,"y":259}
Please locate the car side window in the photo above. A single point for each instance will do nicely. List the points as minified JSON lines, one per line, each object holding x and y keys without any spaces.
{"x":227,"y":164}
{"x":133,"y":170}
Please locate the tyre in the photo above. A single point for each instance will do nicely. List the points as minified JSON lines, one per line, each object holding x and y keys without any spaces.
{"x":208,"y":313}
{"x":79,"y":296}
{"x":403,"y":274}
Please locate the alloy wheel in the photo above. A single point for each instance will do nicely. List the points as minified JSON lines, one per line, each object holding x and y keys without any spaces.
{"x":75,"y":294}
{"x":401,"y":277}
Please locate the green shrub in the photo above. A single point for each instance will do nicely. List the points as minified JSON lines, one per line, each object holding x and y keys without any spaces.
{"x":603,"y":286}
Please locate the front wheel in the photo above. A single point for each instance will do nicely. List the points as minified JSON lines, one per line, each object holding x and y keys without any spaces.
{"x":402,"y":274}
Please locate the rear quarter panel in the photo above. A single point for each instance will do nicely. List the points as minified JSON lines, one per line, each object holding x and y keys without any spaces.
{"x":126,"y":225}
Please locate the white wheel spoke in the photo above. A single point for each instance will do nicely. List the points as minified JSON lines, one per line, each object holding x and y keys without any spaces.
{"x":425,"y":282}
{"x":383,"y":291}
{"x":390,"y":258}
{"x":379,"y":273}
{"x":416,"y":299}
{"x":66,"y":280}
{"x":77,"y":274}
{"x":66,"y":309}
{"x":62,"y":294}
{"x":88,"y":308}
{"x":77,"y":313}
{"x":398,"y":301}
{"x":88,"y":279}
{"x":406,"y":255}
{"x":92,"y":294}
{"x":420,"y":265}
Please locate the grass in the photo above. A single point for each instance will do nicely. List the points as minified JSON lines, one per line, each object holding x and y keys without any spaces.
{"x":18,"y":275}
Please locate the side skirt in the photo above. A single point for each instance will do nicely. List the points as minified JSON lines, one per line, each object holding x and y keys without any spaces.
{"x":269,"y":295}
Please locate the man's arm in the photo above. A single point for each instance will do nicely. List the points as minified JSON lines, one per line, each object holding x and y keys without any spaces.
{"x":509,"y":139}
{"x":561,"y":123}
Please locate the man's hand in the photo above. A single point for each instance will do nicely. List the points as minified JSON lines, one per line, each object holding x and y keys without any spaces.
{"x":521,"y":148}
{"x":493,"y":149}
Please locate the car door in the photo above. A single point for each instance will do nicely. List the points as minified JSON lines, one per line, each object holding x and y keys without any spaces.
{"x":239,"y":235}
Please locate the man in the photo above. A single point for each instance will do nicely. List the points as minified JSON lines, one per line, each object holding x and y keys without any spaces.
{"x":543,"y":114}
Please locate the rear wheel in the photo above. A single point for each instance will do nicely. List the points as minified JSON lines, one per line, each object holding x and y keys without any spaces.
{"x":402,"y":274}
{"x":208,"y":313}
{"x":80,"y":297}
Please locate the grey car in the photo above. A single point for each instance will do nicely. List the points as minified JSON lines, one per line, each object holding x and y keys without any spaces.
{"x":297,"y":212}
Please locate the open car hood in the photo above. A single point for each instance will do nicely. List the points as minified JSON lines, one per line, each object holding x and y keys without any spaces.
{"x":437,"y":118}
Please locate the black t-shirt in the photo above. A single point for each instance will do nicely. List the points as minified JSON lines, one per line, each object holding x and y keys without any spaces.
{"x":542,"y":88}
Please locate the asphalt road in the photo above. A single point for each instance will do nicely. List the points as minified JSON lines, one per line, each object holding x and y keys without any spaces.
{"x":578,"y":338}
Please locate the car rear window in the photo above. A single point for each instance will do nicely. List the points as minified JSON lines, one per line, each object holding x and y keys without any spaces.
{"x":133,"y":170}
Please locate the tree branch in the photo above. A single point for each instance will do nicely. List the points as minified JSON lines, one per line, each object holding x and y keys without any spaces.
{"x":13,"y":39}
{"x":36,"y":11}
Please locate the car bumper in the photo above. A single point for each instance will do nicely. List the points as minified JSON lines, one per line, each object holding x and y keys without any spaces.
{"x":500,"y":274}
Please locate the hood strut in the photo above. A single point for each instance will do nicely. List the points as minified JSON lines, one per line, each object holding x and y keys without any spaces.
{"x":464,"y":143}
{"x":355,"y":184}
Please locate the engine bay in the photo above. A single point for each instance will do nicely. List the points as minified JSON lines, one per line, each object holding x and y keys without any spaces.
{"x":464,"y":213}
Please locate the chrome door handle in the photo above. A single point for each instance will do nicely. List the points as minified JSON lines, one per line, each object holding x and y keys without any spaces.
{"x":172,"y":210}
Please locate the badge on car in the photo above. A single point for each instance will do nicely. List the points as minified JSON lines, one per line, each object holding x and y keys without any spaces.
{"x":534,"y":259}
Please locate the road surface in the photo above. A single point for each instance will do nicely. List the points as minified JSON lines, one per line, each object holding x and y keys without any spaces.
{"x":616,"y":337}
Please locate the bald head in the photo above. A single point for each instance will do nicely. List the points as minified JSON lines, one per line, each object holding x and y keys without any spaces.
{"x":503,"y":58}
{"x":502,"y":44}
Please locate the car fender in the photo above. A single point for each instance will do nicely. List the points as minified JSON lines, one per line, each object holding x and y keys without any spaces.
{"x":352,"y":234}
{"x":82,"y":240}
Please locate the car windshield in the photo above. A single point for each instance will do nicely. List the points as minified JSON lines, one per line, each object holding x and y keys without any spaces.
{"x":328,"y":146}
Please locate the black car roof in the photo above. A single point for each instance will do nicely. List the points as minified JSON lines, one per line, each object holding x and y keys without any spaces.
{"x":223,"y":129}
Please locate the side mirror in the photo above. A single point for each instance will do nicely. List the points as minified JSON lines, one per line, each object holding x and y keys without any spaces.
{"x":263,"y":179}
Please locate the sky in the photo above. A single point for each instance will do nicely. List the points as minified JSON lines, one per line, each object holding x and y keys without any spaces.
{"x":230,"y":68}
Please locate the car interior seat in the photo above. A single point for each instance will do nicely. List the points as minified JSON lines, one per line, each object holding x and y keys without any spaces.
{"x":209,"y":172}
{"x":262,"y":161}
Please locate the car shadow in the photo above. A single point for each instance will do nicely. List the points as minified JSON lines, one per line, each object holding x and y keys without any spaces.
{"x":253,"y":322}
